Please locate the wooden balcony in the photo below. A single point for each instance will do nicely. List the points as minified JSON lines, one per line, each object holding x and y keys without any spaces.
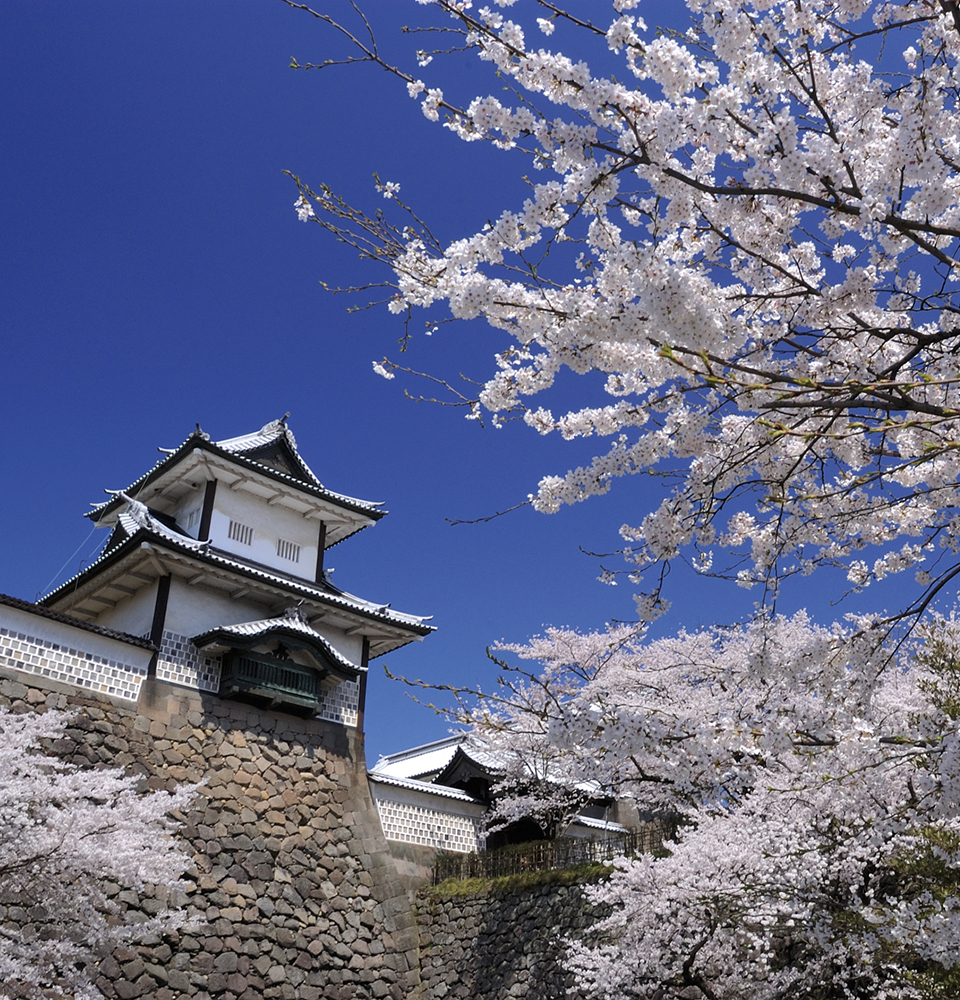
{"x":270,"y":682}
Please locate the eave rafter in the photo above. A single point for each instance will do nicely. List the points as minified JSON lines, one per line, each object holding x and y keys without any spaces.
{"x":148,"y":561}
{"x":100,"y":599}
{"x":383,"y":637}
{"x":203,"y":467}
{"x":129,"y":576}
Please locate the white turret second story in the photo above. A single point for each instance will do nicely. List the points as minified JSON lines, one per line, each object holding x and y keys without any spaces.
{"x":216,"y":557}
{"x":252,"y":497}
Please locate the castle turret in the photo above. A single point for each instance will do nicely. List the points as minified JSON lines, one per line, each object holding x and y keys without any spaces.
{"x":216,"y":556}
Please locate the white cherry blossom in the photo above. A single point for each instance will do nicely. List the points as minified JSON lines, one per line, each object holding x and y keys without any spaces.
{"x":816,"y":782}
{"x":749,"y":231}
{"x":65,"y":834}
{"x":778,"y":316}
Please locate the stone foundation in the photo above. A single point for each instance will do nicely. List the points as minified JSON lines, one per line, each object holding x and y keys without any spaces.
{"x":500,"y":945}
{"x":296,"y":893}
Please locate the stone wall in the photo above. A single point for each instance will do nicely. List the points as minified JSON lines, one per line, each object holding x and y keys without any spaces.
{"x":296,"y":893}
{"x":499,"y":945}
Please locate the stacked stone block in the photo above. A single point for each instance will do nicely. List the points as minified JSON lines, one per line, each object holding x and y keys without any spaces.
{"x":500,"y":945}
{"x":295,"y":895}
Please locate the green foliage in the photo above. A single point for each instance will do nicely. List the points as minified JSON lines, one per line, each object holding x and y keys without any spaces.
{"x":574,"y":875}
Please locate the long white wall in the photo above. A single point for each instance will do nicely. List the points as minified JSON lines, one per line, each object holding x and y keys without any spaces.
{"x":60,"y":652}
{"x":429,"y":819}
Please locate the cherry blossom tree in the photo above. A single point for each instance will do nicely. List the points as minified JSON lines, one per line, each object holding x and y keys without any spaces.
{"x":70,"y":840}
{"x":746,"y":232}
{"x":514,"y":739}
{"x":749,"y":230}
{"x":818,"y":788}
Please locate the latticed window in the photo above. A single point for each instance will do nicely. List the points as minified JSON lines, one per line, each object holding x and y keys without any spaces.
{"x":288,"y":550}
{"x":242,"y":533}
{"x":268,"y":680}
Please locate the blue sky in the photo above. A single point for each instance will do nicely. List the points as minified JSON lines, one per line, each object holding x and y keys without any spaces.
{"x":154,"y":275}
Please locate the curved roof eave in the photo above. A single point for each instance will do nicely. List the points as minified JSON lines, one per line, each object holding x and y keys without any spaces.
{"x":249,"y":633}
{"x":439,"y":791}
{"x":368,"y":508}
{"x":189,"y":549}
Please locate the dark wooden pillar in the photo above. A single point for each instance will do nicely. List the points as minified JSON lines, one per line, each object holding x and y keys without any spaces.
{"x":362,"y":697}
{"x":321,"y":541}
{"x":159,"y":618}
{"x":208,"y":496}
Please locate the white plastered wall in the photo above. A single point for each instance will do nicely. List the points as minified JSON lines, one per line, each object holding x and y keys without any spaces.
{"x":350,"y":646}
{"x":269,"y":525}
{"x":430,"y":820}
{"x":133,"y":615}
{"x":192,"y":610}
{"x":192,"y":503}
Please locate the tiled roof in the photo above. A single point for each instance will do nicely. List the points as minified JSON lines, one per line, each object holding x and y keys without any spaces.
{"x":56,"y":616}
{"x":235,"y":450}
{"x":599,"y":824}
{"x":290,"y":622}
{"x":427,"y":759}
{"x":443,"y":791}
{"x":151,"y":529}
{"x":137,"y":516}
{"x":271,"y":433}
{"x":434,"y":757}
{"x":492,"y":760}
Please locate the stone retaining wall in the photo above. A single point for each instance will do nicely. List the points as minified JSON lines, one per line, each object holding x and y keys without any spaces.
{"x":296,"y":893}
{"x":500,"y":945}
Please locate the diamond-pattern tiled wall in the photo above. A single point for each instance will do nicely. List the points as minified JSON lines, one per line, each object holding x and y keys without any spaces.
{"x":182,"y":663}
{"x":72,"y":666}
{"x":341,"y":704}
{"x":416,"y":824}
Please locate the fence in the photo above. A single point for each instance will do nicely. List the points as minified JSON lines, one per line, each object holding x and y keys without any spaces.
{"x":543,"y":855}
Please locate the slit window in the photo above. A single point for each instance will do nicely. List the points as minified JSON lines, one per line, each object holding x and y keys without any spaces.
{"x":288,"y":550}
{"x":192,"y":519}
{"x":241,"y":533}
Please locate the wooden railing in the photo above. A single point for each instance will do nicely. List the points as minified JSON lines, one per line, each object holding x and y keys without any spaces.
{"x":544,"y":855}
{"x":274,"y":681}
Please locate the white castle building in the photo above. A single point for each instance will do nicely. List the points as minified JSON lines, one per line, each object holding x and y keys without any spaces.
{"x":216,"y":556}
{"x":212,"y":579}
